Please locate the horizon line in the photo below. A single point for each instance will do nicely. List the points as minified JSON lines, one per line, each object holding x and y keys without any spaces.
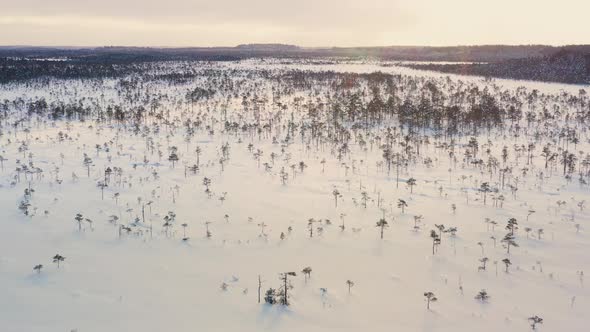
{"x":280,"y":44}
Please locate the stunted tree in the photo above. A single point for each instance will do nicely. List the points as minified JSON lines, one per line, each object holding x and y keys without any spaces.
{"x":87,"y":161}
{"x":302,"y":166}
{"x":306,"y":273}
{"x":483,"y":261}
{"x":364,"y":197}
{"x":107,"y":174}
{"x":79,"y":218}
{"x":259,"y":287}
{"x":58,"y":258}
{"x":270,"y":296}
{"x":38,"y":268}
{"x":382,"y":223}
{"x":336,"y":194}
{"x":473,"y":145}
{"x":485,"y":189}
{"x":435,"y":240}
{"x":310,"y":224}
{"x":349,"y":283}
{"x":207,"y":231}
{"x":482,"y":296}
{"x":401,"y":204}
{"x":173,"y":157}
{"x":342,"y":227}
{"x":430,"y":297}
{"x":534,"y":320}
{"x":507,"y":263}
{"x":417,"y":220}
{"x":441,"y":229}
{"x":568,"y":161}
{"x":89,"y":221}
{"x":169,"y":221}
{"x":206,"y":183}
{"x":24,"y":206}
{"x":481,"y":246}
{"x":284,"y":176}
{"x":509,"y":241}
{"x":512,"y":225}
{"x":284,"y":296}
{"x":411,"y":183}
{"x":102,"y":185}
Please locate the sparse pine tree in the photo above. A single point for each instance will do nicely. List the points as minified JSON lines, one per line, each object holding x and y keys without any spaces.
{"x":58,"y":259}
{"x":430,"y":297}
{"x":382,"y":223}
{"x":482,"y":296}
{"x":349,"y":283}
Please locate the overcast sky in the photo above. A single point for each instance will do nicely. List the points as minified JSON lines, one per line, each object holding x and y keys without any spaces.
{"x":301,"y":22}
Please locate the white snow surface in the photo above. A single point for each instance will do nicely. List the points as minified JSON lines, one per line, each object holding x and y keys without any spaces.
{"x":161,"y":283}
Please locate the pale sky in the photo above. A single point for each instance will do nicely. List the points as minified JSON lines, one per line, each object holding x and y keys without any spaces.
{"x":300,"y":22}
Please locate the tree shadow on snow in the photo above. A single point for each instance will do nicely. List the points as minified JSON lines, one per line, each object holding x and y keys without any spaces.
{"x":271,"y":316}
{"x":37,"y":279}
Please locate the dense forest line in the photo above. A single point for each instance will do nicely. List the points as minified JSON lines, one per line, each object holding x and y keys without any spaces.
{"x":564,"y":67}
{"x":569,"y":64}
{"x":483,"y":53}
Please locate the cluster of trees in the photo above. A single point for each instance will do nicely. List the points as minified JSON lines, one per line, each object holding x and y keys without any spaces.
{"x":57,"y":259}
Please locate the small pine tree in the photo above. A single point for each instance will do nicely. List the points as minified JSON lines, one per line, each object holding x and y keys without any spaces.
{"x":349,"y":283}
{"x":411,"y":183}
{"x":58,"y":258}
{"x":270,"y":296}
{"x":306,"y":273}
{"x":435,"y":240}
{"x":507,"y":262}
{"x":401,"y":204}
{"x":534,"y":320}
{"x":512,"y":225}
{"x":482,"y":296}
{"x":382,"y":223}
{"x":430,"y":297}
{"x":509,"y":241}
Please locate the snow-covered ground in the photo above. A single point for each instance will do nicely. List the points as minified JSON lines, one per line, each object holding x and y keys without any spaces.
{"x":114,"y":280}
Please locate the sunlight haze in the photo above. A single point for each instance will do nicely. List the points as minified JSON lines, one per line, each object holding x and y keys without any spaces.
{"x":305,"y":23}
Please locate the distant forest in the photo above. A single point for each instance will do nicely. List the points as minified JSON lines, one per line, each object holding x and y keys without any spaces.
{"x":568,"y":64}
{"x":565,"y":67}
